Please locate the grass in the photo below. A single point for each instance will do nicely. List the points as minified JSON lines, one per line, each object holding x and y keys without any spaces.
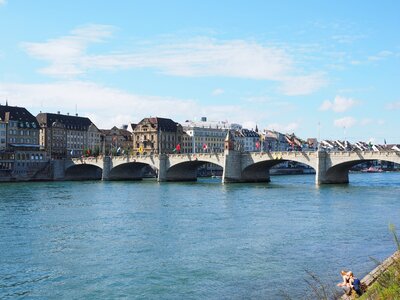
{"x":387,"y":285}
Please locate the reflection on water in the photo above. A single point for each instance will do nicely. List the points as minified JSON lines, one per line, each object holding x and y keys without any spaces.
{"x":190,"y":240}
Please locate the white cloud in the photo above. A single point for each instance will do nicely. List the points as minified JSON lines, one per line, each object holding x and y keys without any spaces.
{"x":347,"y":39}
{"x":257,"y":99}
{"x":393,"y":105}
{"x":284,"y":128}
{"x":2,"y":2}
{"x":366,"y":121}
{"x":381,"y":122}
{"x":201,"y":57}
{"x":249,"y":125}
{"x":217,"y":92}
{"x":380,"y":56}
{"x":66,"y":54}
{"x":303,"y":85}
{"x":115,"y":107}
{"x":346,"y":122}
{"x":339,"y":104}
{"x":196,"y":57}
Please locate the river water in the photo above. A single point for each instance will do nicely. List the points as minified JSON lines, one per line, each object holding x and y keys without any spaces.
{"x":201,"y":240}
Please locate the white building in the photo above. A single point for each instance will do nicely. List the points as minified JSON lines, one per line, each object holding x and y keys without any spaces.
{"x":205,"y":136}
{"x":274,"y":141}
{"x":94,"y":138}
{"x":3,"y":134}
{"x":250,"y":140}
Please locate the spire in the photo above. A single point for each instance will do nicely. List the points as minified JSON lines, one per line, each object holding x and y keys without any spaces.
{"x":6,"y":102}
{"x":229,"y":141}
{"x":256,"y":128}
{"x":229,"y":136}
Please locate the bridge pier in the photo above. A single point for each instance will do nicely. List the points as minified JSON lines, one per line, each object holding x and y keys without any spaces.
{"x":58,"y":169}
{"x":107,"y":166}
{"x":162,"y":168}
{"x":232,"y":167}
{"x":326,"y":174}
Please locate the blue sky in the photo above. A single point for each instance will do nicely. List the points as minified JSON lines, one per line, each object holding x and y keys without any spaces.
{"x":309,"y":67}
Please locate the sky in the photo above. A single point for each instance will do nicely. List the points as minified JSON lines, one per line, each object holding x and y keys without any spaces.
{"x":324,"y":69}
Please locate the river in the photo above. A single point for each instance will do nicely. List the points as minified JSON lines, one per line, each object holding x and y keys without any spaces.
{"x":200,"y":240}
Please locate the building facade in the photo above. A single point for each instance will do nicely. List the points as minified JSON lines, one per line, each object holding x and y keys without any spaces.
{"x":20,"y":153}
{"x":117,"y":141}
{"x":3,"y":135}
{"x":94,"y":140}
{"x":206,"y":136}
{"x":65,"y":136}
{"x":274,"y":141}
{"x":251,"y":140}
{"x":156,"y":135}
{"x":21,"y":126}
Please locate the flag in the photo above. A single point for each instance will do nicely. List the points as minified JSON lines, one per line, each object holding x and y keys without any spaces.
{"x":290,"y":142}
{"x":72,"y":152}
{"x":257,"y":144}
{"x":205,"y":147}
{"x":297,"y":142}
{"x":119,"y":149}
{"x":178,"y":147}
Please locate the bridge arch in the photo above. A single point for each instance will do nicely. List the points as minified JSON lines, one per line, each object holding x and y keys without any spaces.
{"x":339,"y":172}
{"x":83,"y":172}
{"x":260,"y":171}
{"x":255,"y":167}
{"x":186,"y":171}
{"x":130,"y":171}
{"x":184,"y":167}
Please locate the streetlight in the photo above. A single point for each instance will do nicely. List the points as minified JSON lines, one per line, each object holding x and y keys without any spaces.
{"x":319,"y":136}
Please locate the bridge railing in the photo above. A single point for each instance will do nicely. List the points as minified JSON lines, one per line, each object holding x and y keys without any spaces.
{"x":221,"y":154}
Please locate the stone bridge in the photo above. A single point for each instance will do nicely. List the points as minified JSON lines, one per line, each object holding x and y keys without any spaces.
{"x":168,"y":167}
{"x":330,"y":167}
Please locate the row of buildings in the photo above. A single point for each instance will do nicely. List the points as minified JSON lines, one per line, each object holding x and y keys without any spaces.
{"x":28,"y":142}
{"x":59,"y":136}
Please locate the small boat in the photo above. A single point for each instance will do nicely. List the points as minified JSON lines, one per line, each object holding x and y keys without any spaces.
{"x":372,"y":170}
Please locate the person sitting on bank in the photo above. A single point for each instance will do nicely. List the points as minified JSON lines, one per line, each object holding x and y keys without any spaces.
{"x":355,"y":283}
{"x":345,"y":284}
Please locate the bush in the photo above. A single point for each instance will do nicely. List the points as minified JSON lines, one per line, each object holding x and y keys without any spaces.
{"x":387,"y":285}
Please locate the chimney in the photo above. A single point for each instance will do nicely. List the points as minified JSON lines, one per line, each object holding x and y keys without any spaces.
{"x":58,"y":112}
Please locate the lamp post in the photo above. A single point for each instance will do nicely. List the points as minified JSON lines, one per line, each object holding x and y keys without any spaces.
{"x":319,"y":136}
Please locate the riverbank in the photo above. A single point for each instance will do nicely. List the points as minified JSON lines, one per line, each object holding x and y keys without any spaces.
{"x":369,"y":279}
